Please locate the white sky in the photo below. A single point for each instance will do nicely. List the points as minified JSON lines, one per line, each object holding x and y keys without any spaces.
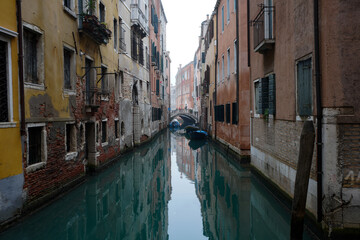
{"x":183,"y":29}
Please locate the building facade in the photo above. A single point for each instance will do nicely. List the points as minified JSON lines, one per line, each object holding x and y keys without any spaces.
{"x":185,"y":87}
{"x":11,"y":171}
{"x":87,"y":92}
{"x":232,"y":119}
{"x":303,"y":69}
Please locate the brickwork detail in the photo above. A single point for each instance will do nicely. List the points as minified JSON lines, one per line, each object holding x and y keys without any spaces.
{"x":349,"y":154}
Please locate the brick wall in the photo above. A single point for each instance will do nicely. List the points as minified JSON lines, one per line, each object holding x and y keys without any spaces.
{"x":280,"y":139}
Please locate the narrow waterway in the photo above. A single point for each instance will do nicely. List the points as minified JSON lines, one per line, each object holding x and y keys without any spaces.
{"x":164,"y":190}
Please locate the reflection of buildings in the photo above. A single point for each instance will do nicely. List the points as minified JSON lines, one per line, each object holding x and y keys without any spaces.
{"x":234,"y":204}
{"x":185,"y":158}
{"x":127,"y":201}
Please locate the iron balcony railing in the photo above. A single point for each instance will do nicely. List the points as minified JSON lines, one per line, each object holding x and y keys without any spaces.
{"x":95,"y":29}
{"x":263,"y":27}
{"x":139,"y":18}
{"x":91,"y":97}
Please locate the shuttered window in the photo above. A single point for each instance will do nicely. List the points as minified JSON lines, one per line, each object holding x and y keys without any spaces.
{"x":4,"y":111}
{"x":304,"y":88}
{"x":34,"y":135}
{"x":235,"y":115}
{"x":263,"y":95}
{"x":272,"y":94}
{"x":219,"y":113}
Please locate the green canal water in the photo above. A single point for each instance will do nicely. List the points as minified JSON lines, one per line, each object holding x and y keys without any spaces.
{"x":164,"y":190}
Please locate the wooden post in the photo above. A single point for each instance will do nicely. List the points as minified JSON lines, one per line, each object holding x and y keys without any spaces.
{"x":302,"y":180}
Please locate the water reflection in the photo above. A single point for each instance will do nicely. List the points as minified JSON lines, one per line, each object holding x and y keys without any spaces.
{"x":164,"y":192}
{"x":126,"y":201}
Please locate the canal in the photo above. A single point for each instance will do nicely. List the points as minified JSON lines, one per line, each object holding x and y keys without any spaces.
{"x":164,"y":190}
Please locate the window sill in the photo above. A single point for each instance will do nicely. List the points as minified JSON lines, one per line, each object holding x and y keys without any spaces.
{"x":104,"y":98}
{"x":71,"y":156}
{"x":69,"y":92}
{"x":304,"y":118}
{"x":7,"y":124}
{"x":35,"y":86}
{"x":35,"y":167}
{"x":104,"y":144}
{"x":70,"y":12}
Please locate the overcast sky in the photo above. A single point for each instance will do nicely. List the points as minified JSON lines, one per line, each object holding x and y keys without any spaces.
{"x":183,"y":29}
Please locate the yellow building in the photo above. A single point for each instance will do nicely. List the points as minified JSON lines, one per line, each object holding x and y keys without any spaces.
{"x":11,"y":172}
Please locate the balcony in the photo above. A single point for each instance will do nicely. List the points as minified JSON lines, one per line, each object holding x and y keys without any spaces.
{"x":263,"y":26}
{"x":138,"y":20}
{"x":96,"y":30}
{"x":92,"y":100}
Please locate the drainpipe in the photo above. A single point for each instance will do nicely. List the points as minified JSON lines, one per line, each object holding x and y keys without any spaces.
{"x":21,"y":67}
{"x":319,"y":111}
{"x":216,"y":63}
{"x":237,"y":60}
{"x":248,"y":31}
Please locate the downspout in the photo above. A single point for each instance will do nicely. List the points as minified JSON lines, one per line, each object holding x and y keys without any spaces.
{"x":248,"y":31}
{"x":21,"y":68}
{"x":216,"y":64}
{"x":237,"y":61}
{"x":319,"y":114}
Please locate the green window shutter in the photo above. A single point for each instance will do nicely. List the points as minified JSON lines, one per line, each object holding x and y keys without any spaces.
{"x":263,"y":95}
{"x":235,"y":114}
{"x":272,"y":94}
{"x":304,"y":88}
{"x":157,"y":87}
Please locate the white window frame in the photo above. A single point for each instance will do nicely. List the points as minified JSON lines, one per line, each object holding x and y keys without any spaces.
{"x":256,"y":115}
{"x":222,"y":68}
{"x":71,"y":91}
{"x":71,"y":154}
{"x":41,"y":64}
{"x":103,"y":144}
{"x":37,"y":166}
{"x":71,"y":10}
{"x":228,"y":63}
{"x":235,"y":56}
{"x":118,"y":130}
{"x":7,"y":40}
{"x":222,"y":19}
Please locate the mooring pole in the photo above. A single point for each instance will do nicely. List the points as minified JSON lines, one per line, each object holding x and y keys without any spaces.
{"x":302,"y":180}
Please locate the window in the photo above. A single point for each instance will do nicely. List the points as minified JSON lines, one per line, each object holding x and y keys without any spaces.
{"x":70,"y":138}
{"x":265,"y":95}
{"x":228,"y":113}
{"x":4,"y":73}
{"x":218,"y":73}
{"x":122,"y":43}
{"x":37,"y":149}
{"x":222,"y":68}
{"x":219,"y":113}
{"x":68,"y":69}
{"x":222,"y":19}
{"x":102,"y":12}
{"x":104,"y":131}
{"x":122,"y":129}
{"x":104,"y":81}
{"x":235,"y":5}
{"x":235,"y":56}
{"x":31,"y":42}
{"x":234,"y":113}
{"x":304,"y":88}
{"x":228,"y":10}
{"x":67,"y":3}
{"x":116,"y":128}
{"x":157,"y":87}
{"x":115,"y":34}
{"x":228,"y":62}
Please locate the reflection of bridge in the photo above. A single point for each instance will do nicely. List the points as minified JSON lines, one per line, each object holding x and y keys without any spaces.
{"x":186,"y":114}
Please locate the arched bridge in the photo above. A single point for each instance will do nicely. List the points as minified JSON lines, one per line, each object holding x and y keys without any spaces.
{"x":186,"y":114}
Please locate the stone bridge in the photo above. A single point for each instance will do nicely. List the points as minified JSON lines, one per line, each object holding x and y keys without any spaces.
{"x":186,"y":114}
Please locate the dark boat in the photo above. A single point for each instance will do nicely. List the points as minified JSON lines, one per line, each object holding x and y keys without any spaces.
{"x":174,"y":124}
{"x":196,"y":144}
{"x":191,"y":129}
{"x":198,"y":135}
